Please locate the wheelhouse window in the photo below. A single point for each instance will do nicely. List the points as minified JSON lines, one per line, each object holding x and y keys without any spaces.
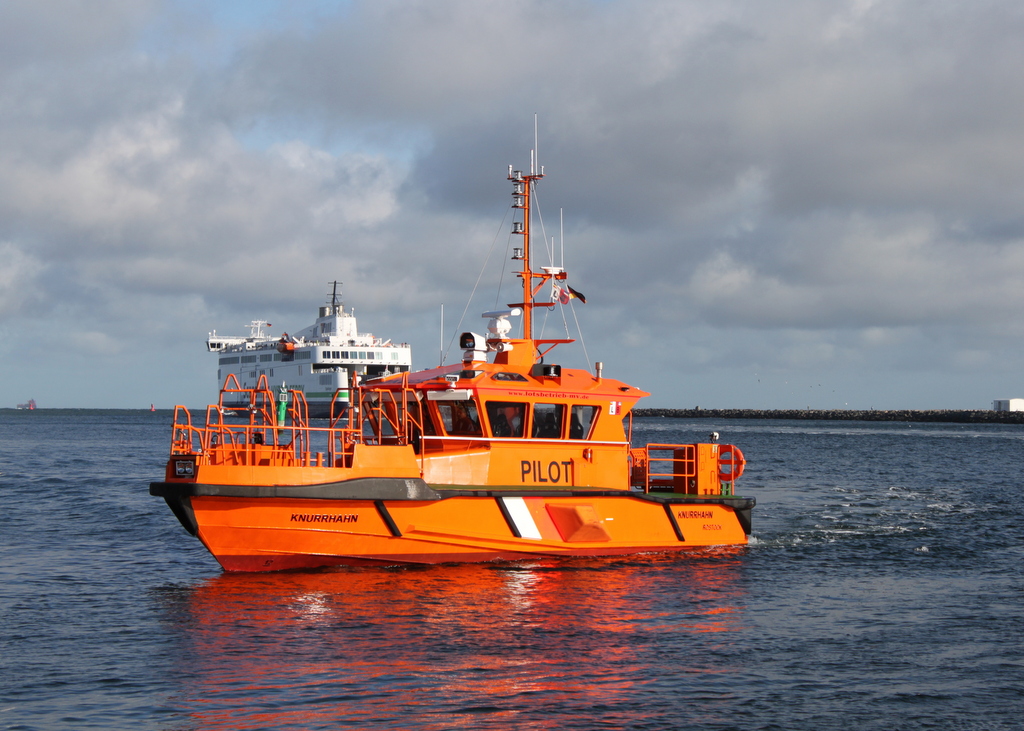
{"x":460,"y":418}
{"x":547,"y":421}
{"x":421,"y":414}
{"x":506,"y":376}
{"x":582,"y":421}
{"x":420,"y":422}
{"x":506,"y":418}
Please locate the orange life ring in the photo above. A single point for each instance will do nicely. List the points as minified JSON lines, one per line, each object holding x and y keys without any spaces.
{"x":730,"y":463}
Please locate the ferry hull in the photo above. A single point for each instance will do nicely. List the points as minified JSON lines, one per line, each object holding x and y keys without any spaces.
{"x":318,"y":409}
{"x":261,"y":533}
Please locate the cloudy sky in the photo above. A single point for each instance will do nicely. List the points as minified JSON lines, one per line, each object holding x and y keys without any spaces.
{"x":767,"y":204}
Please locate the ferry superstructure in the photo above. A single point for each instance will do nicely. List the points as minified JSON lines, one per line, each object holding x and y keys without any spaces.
{"x":324,"y":361}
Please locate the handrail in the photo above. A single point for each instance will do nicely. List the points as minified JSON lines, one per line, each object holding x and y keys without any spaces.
{"x":711,"y":469}
{"x":397,"y":416}
{"x":183,"y":433}
{"x":523,"y":440}
{"x":682,"y":465}
{"x":399,"y":408}
{"x":259,"y":435}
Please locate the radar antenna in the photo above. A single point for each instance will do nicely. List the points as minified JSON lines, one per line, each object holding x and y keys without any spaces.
{"x":334,"y":295}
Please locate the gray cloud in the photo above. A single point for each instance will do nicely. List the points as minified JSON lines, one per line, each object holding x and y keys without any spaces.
{"x":777,"y":188}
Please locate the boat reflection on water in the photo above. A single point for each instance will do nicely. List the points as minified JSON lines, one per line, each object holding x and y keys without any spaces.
{"x":456,"y":646}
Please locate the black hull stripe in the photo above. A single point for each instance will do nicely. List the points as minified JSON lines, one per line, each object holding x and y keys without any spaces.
{"x":675,"y":524}
{"x":508,"y":517}
{"x":382,"y":509}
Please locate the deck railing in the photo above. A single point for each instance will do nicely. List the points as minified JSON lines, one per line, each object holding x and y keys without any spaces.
{"x":244,"y":427}
{"x":663,"y":467}
{"x":696,"y":469}
{"x":247,"y":428}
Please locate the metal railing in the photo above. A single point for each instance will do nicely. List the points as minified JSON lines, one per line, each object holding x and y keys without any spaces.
{"x":663,"y":466}
{"x":244,"y":428}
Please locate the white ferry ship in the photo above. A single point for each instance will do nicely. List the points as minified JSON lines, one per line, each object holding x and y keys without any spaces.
{"x":323,"y":361}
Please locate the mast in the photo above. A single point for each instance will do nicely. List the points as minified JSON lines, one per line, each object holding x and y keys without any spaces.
{"x":528,"y":351}
{"x":522,"y":192}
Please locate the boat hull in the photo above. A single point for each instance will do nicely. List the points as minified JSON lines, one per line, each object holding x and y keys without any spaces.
{"x":264,"y":531}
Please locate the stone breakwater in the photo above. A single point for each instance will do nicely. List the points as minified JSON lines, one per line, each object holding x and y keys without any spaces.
{"x":937,"y":415}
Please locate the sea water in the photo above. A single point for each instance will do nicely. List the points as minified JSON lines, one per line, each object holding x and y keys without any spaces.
{"x":882,"y":589}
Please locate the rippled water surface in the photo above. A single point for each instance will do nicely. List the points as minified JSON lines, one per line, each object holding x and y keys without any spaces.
{"x":883,"y":589}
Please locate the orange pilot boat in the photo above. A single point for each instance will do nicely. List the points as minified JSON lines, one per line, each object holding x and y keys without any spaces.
{"x":500,"y":457}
